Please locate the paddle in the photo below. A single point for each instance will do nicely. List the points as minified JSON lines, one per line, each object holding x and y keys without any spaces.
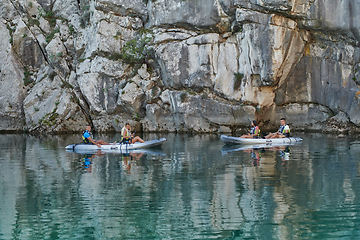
{"x":132,"y":137}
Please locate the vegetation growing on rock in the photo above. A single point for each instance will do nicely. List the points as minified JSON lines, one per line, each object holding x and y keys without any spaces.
{"x":196,"y":65}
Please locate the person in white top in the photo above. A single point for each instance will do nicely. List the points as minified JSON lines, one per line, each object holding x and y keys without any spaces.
{"x":127,"y":136}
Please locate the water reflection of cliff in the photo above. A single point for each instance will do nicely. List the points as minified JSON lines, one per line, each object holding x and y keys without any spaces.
{"x":190,"y":192}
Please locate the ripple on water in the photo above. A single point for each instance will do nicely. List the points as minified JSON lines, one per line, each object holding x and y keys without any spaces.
{"x":189,"y":190}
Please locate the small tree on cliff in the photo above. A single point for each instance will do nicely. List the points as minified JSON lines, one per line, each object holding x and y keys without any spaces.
{"x":137,"y":50}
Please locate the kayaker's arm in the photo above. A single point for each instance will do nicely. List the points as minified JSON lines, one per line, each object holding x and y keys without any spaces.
{"x":133,"y":134}
{"x":93,"y":142}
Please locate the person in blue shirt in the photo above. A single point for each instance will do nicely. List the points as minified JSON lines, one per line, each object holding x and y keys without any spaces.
{"x":89,"y":139}
{"x":87,"y":162}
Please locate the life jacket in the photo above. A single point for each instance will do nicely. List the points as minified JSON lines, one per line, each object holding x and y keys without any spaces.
{"x":85,"y":140}
{"x":282,"y":130}
{"x":253,"y":129}
{"x":87,"y":162}
{"x":128,"y":134}
{"x":255,"y":156}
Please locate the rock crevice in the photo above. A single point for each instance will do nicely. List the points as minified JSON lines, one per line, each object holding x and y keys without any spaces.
{"x":172,"y":65}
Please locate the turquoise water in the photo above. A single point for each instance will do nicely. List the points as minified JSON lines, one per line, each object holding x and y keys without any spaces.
{"x":191,"y":188}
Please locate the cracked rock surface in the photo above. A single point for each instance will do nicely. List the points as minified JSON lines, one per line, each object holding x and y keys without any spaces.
{"x":174,"y":65}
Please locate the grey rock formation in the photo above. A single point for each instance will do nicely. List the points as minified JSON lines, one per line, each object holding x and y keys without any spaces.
{"x":199,"y":14}
{"x":11,"y":85}
{"x":192,"y":112}
{"x":174,"y":65}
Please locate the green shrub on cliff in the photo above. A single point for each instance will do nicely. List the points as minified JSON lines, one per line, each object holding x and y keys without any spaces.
{"x":146,"y":1}
{"x":11,"y":32}
{"x":136,"y":51}
{"x":71,"y":29}
{"x":49,"y":16}
{"x":204,"y":96}
{"x":33,"y":21}
{"x":85,"y":17}
{"x":27,"y":74}
{"x":117,"y":35}
{"x":115,"y":56}
{"x":237,"y":80}
{"x":51,"y":35}
{"x":183,"y":96}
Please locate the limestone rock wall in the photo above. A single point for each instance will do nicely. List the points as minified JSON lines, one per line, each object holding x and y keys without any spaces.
{"x":175,"y":65}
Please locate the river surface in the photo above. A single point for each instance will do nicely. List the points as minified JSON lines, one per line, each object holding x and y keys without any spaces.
{"x":191,"y":188}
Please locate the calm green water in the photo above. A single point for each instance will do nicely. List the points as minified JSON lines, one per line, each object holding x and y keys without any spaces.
{"x":192,"y":188}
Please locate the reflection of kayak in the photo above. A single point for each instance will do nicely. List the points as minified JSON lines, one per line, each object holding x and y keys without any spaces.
{"x":235,"y":148}
{"x":117,"y":147}
{"x":237,"y":140}
{"x":155,"y":151}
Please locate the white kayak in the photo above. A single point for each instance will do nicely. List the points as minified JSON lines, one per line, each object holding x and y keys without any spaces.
{"x":146,"y":151}
{"x":238,"y":140}
{"x":117,"y":146}
{"x":269,"y":146}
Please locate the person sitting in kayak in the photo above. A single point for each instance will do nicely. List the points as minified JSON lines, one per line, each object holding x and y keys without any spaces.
{"x":254,"y":132}
{"x":89,"y":139}
{"x":127,"y":137}
{"x":283,"y":132}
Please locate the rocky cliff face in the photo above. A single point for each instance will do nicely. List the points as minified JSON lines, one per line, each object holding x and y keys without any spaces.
{"x":179,"y":65}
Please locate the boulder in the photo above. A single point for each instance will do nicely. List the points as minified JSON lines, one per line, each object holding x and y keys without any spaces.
{"x":172,"y":35}
{"x":200,"y":14}
{"x":165,"y":96}
{"x":11,"y":84}
{"x":107,"y":67}
{"x":188,"y":63}
{"x":124,"y":7}
{"x":142,"y":71}
{"x":100,"y":92}
{"x":133,"y":95}
{"x":8,"y":11}
{"x":321,"y":81}
{"x":355,"y":109}
{"x":224,"y":129}
{"x":26,"y":47}
{"x":302,"y":116}
{"x":194,"y":113}
{"x":44,"y":25}
{"x":50,"y":107}
{"x":56,"y":53}
{"x":158,"y":119}
{"x":68,"y":10}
